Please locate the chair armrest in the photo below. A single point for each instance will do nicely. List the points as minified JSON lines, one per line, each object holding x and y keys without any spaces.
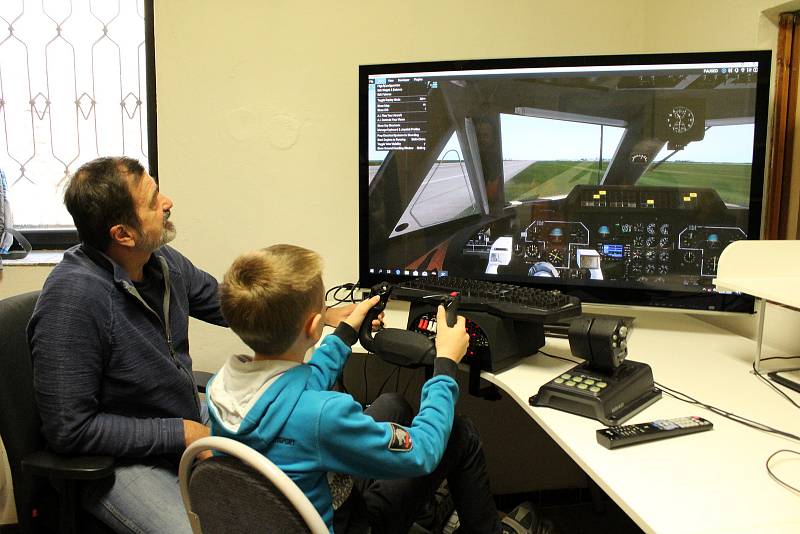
{"x":49,"y":464}
{"x":201,"y":378}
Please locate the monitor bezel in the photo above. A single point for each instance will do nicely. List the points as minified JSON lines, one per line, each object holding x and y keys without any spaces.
{"x":649,"y":298}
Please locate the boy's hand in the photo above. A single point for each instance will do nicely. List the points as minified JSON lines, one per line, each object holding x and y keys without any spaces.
{"x":360,"y":310}
{"x":334,"y":316}
{"x":452,"y":342}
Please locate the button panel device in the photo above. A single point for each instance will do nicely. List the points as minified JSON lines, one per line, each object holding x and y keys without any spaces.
{"x":610,"y":398}
{"x":604,"y":387}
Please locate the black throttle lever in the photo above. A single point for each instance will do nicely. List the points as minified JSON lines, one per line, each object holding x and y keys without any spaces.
{"x":365,"y":334}
{"x":451,"y":303}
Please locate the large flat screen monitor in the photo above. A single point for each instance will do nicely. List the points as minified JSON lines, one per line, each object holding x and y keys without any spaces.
{"x":618,"y":179}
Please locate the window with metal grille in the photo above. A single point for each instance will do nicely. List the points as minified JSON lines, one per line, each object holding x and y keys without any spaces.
{"x":76,"y":82}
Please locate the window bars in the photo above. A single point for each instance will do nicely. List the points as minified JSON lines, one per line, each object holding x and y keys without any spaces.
{"x":73,"y":86}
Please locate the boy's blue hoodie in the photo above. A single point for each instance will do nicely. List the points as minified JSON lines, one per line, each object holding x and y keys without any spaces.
{"x":285,"y":411}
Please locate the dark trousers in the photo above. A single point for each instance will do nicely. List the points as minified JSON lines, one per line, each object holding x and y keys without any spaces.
{"x":390,"y":506}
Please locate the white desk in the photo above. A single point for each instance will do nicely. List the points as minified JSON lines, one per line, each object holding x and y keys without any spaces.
{"x":712,"y":482}
{"x":709,"y":482}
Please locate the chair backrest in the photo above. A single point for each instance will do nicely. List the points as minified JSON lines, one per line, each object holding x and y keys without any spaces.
{"x":242,"y":492}
{"x":20,"y":426}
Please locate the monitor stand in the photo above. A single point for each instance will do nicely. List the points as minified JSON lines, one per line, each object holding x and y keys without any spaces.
{"x":611,"y":398}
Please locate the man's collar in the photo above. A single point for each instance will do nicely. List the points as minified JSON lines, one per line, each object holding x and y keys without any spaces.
{"x":155,"y":263}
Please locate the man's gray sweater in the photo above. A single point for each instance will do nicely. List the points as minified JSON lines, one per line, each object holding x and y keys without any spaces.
{"x":111,"y":377}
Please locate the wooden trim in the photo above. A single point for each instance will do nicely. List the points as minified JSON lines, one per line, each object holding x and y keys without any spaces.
{"x":791,"y":114}
{"x":780,"y":170}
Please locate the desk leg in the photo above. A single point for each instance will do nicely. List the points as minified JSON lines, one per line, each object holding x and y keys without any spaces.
{"x":762,"y":311}
{"x":596,"y":495}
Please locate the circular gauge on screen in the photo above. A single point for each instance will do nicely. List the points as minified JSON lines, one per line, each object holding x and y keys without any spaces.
{"x":555,"y":256}
{"x":680,"y":119}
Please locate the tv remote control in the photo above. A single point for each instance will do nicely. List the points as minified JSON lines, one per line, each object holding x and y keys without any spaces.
{"x":621,"y":436}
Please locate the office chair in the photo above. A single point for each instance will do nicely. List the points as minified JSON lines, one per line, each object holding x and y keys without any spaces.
{"x":242,"y":492}
{"x":31,"y":465}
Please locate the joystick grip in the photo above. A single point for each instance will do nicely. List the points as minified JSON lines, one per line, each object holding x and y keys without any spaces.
{"x":365,"y":334}
{"x":385,"y":291}
{"x":450,"y":303}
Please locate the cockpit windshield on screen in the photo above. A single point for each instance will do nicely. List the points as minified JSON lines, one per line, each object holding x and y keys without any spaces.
{"x":631,"y":176}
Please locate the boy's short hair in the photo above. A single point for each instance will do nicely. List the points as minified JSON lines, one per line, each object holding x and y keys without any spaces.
{"x":267,"y":295}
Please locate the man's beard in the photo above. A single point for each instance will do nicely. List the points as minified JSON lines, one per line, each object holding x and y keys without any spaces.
{"x":167,"y":234}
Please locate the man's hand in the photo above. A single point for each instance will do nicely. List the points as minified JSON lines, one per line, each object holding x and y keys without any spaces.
{"x":192,"y":431}
{"x":334,"y":316}
{"x":451,"y":342}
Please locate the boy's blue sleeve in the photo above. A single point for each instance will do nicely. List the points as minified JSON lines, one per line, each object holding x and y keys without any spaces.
{"x":329,"y":358}
{"x":354,"y":443}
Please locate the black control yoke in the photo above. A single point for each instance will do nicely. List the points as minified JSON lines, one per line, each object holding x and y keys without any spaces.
{"x":398,"y":346}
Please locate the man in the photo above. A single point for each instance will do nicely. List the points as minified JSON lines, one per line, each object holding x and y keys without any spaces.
{"x":110,"y":347}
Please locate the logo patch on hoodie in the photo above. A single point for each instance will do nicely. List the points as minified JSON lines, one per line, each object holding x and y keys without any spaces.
{"x":399,"y":439}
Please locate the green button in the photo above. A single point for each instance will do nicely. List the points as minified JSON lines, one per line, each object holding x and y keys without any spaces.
{"x":601,"y":384}
{"x":570,"y":383}
{"x":566,"y":376}
{"x":588,"y":381}
{"x":559,"y":380}
{"x":578,"y":379}
{"x":594,"y":389}
{"x":582,"y":386}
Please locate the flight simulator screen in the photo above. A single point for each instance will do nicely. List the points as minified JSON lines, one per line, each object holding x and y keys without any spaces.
{"x":618,"y":179}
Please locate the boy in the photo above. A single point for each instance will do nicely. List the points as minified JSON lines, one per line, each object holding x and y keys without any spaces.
{"x":282,"y":407}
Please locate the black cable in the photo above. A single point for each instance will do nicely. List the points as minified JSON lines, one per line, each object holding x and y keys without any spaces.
{"x":557,"y":357}
{"x":773,"y":386}
{"x":726,"y":414}
{"x":741,"y":420}
{"x":780,"y":358}
{"x":347,"y":298}
{"x":771,"y":382}
{"x":774,"y":476}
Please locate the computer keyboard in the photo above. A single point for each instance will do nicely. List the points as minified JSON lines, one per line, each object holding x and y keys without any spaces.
{"x":504,"y":300}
